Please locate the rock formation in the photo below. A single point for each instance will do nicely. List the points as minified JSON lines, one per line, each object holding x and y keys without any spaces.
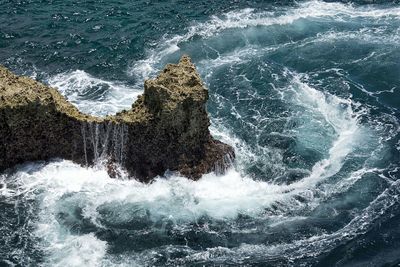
{"x":166,"y":128}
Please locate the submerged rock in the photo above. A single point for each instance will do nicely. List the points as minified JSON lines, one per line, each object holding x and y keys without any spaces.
{"x":166,"y":128}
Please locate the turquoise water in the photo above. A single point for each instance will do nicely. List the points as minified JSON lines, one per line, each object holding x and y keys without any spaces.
{"x":306,"y":92}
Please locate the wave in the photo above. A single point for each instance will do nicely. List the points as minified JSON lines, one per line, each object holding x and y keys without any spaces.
{"x":309,"y":247}
{"x":93,"y":95}
{"x":246,"y":18}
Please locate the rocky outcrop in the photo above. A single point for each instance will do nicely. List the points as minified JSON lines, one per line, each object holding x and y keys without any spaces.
{"x":166,"y":128}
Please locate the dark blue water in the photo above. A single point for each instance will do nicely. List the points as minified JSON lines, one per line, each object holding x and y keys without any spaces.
{"x":307,"y":92}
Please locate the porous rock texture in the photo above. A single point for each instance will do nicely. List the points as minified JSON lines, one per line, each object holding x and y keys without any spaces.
{"x":166,"y":128}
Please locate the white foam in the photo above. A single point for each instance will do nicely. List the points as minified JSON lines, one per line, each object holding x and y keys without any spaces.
{"x":248,"y":17}
{"x":312,"y":246}
{"x":82,"y":250}
{"x":177,"y":198}
{"x":92,"y":95}
{"x":310,"y":9}
{"x":338,"y":114}
{"x":338,"y":130}
{"x":372,"y":35}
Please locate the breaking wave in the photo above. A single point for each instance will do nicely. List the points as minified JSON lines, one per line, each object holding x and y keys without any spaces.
{"x":93,"y":95}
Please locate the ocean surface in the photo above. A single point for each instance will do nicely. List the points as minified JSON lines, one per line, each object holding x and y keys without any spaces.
{"x":307,"y":92}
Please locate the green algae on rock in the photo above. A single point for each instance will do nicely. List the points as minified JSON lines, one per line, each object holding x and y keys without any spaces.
{"x":166,"y":128}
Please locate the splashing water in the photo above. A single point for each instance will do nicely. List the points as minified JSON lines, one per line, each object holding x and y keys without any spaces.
{"x":305,"y":94}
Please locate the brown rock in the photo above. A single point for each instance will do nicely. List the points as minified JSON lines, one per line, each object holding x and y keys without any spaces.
{"x":166,"y":128}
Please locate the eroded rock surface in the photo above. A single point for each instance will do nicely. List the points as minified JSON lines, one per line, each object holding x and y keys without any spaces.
{"x":166,"y":128}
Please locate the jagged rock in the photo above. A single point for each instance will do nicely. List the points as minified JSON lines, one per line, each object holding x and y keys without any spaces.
{"x":166,"y":128}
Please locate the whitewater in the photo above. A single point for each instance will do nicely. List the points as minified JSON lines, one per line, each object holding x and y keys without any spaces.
{"x":307,"y":94}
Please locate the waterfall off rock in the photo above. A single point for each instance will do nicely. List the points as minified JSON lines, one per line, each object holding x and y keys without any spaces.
{"x":166,"y":128}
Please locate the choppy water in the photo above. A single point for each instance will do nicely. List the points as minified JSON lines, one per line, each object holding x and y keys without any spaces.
{"x":308,"y":93}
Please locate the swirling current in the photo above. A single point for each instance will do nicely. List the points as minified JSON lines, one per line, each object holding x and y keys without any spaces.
{"x":307,"y":92}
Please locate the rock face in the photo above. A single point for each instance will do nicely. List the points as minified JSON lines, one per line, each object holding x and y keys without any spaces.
{"x":166,"y":128}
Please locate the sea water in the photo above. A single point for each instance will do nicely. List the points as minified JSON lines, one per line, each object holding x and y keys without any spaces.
{"x":307,"y":92}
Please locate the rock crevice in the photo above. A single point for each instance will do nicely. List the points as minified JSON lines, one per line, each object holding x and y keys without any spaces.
{"x":166,"y":128}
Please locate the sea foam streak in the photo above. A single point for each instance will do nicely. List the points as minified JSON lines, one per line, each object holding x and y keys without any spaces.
{"x":245,"y":18}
